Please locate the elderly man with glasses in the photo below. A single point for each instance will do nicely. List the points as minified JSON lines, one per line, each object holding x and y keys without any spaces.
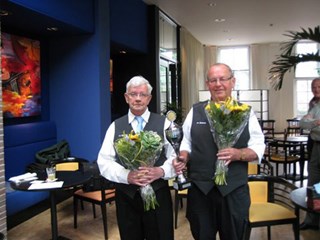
{"x":133,"y":221}
{"x":213,"y":208}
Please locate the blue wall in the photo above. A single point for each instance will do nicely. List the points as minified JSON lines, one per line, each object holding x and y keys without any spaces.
{"x":79,"y":86}
{"x":75,"y":67}
{"x":129,"y":23}
{"x":75,"y":12}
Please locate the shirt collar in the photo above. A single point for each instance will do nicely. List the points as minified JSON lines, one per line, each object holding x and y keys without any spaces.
{"x":145,"y":116}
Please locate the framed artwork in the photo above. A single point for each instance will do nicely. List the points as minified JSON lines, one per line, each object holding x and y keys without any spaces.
{"x":20,"y":75}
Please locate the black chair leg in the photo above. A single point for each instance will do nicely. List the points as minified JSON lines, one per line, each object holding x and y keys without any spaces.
{"x":296,"y":231}
{"x":269,"y":233}
{"x":176,"y":209}
{"x":94,"y":210}
{"x":247,"y":233}
{"x":104,"y":219}
{"x":75,"y":212}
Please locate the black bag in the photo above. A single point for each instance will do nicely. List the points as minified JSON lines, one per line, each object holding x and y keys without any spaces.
{"x":94,"y":183}
{"x":39,"y":168}
{"x":54,"y":153}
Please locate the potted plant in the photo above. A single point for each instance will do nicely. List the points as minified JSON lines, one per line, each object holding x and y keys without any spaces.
{"x":288,"y":60}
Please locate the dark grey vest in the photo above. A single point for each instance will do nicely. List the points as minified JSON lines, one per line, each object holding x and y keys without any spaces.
{"x":201,"y":167}
{"x":155,"y":123}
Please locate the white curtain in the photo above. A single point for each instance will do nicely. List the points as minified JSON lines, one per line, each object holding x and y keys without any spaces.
{"x":192,"y":69}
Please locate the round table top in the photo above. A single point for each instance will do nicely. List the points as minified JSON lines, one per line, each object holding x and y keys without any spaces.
{"x":69,"y":178}
{"x":293,"y":139}
{"x":299,"y":198}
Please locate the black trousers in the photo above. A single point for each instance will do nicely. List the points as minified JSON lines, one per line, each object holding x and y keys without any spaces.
{"x":212,"y":213}
{"x":136,"y":224}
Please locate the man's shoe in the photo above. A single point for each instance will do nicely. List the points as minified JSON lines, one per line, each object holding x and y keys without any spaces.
{"x":305,"y":226}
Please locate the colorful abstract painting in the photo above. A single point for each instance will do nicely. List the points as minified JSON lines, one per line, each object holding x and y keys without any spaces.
{"x":20,"y":75}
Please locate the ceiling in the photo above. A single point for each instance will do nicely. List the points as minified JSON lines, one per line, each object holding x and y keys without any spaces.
{"x":246,"y":21}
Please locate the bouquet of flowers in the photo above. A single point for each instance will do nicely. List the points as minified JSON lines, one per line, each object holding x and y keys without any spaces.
{"x":142,"y":149}
{"x":227,"y":120}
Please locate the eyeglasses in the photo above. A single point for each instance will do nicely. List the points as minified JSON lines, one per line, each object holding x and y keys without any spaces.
{"x":221,"y":80}
{"x":135,"y":95}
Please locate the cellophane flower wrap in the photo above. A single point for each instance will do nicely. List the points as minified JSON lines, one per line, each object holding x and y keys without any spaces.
{"x":227,"y":120}
{"x":137,"y":150}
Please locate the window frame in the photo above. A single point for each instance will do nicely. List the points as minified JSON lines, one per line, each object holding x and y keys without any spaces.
{"x":301,"y":107}
{"x":238,"y":72}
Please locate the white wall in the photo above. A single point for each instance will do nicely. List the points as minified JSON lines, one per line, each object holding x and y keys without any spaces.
{"x":281,"y":102}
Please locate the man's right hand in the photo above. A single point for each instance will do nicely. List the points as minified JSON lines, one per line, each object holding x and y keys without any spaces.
{"x":180,"y":163}
{"x":138,"y":177}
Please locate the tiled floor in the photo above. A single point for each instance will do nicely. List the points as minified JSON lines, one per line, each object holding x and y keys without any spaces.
{"x":89,"y":228}
{"x":38,"y":227}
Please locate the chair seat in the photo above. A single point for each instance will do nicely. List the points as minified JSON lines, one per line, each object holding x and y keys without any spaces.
{"x":262,"y":212}
{"x":96,"y":195}
{"x":281,"y":158}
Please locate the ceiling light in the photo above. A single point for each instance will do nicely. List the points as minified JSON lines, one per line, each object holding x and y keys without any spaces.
{"x":52,"y":29}
{"x":212,"y":4}
{"x":123,"y":52}
{"x":4,"y":13}
{"x":219,"y":20}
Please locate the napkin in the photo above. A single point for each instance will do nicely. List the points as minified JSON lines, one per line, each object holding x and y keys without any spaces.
{"x":46,"y":185}
{"x":24,"y":177}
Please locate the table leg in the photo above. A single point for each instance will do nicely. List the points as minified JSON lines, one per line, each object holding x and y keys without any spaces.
{"x":53,"y":208}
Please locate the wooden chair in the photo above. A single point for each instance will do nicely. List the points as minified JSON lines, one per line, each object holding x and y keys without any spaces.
{"x":178,"y":198}
{"x":284,"y":153}
{"x":271,"y":204}
{"x":268,"y":128}
{"x":106,"y":194}
{"x":264,"y":168}
{"x":293,"y":128}
{"x":253,"y":168}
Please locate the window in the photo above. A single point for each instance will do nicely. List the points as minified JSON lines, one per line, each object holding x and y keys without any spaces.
{"x":238,"y":59}
{"x":304,"y":74}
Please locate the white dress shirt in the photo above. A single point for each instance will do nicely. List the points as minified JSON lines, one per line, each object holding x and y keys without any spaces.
{"x":256,"y":141}
{"x":115,"y":172}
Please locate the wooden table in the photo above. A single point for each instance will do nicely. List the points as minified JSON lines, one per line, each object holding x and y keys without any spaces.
{"x":70,"y":179}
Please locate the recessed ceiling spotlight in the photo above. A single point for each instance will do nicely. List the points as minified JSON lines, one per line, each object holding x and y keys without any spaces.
{"x":4,"y":13}
{"x":52,"y":29}
{"x":226,"y":31}
{"x":230,"y":39}
{"x":212,"y":4}
{"x":219,"y":20}
{"x":123,"y":52}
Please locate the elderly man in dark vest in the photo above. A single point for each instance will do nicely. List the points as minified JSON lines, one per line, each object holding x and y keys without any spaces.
{"x":133,"y":221}
{"x":213,"y":208}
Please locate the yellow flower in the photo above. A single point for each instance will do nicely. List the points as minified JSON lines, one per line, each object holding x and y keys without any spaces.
{"x":227,"y":119}
{"x":134,"y":137}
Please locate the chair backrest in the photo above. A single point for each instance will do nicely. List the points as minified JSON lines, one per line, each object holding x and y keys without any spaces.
{"x":283,"y":149}
{"x":264,"y":168}
{"x":293,"y":127}
{"x":278,"y":189}
{"x":252,"y":168}
{"x":258,"y":191}
{"x":268,"y":128}
{"x":67,"y":166}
